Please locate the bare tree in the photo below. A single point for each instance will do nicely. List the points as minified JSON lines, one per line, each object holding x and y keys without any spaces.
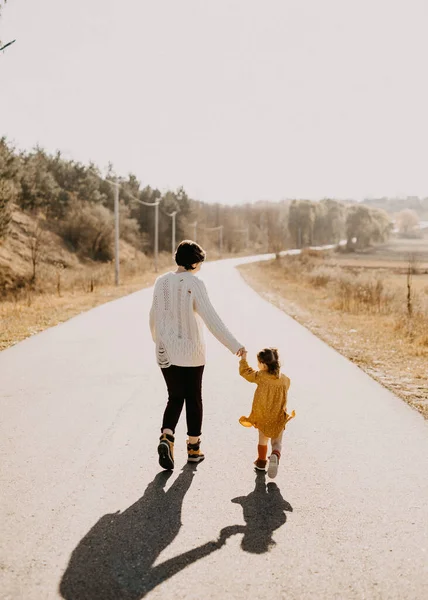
{"x":408,"y":223}
{"x":412,"y":268}
{"x":3,"y":47}
{"x":37,"y":245}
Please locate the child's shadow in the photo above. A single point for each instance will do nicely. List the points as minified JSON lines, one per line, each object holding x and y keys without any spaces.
{"x":264,"y":511}
{"x":115,"y":560}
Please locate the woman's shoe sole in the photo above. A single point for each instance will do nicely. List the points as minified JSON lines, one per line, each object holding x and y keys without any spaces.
{"x":196,"y":459}
{"x":273,"y":466}
{"x":165,"y":458}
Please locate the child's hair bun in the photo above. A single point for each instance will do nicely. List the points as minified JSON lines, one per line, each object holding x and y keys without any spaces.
{"x":270,"y":358}
{"x":275,"y":354}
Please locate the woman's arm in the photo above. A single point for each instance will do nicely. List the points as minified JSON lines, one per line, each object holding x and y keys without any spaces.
{"x":247,"y":372}
{"x":207,"y":312}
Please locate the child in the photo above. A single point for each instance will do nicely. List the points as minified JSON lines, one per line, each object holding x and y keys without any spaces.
{"x":268,"y":413}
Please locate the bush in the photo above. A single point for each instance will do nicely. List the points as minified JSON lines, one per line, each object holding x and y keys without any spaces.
{"x":11,"y":283}
{"x":415,"y":327}
{"x":361,"y":293}
{"x":130,"y":229}
{"x":89,"y":228}
{"x":321,"y":276}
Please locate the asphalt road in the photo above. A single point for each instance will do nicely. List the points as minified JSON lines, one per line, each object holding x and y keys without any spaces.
{"x":86,"y":514}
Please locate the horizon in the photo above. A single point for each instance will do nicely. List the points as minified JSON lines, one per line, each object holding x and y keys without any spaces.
{"x":67,"y":157}
{"x":294,"y":102}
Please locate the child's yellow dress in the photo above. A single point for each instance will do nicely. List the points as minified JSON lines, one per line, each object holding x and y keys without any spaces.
{"x":268,"y":413}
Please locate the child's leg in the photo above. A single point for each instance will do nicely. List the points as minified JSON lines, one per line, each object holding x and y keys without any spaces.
{"x":262,"y":452}
{"x":275,"y":456}
{"x":277,"y":444}
{"x":263,"y":439}
{"x":263,"y":446}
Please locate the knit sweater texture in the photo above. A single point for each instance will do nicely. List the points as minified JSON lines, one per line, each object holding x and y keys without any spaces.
{"x":180,"y":307}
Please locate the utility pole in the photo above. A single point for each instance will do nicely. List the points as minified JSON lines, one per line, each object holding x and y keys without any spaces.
{"x":220,"y":238}
{"x":116,"y":234}
{"x":173,"y":233}
{"x":155,"y":205}
{"x":156,"y":235}
{"x":173,"y":216}
{"x":116,"y":188}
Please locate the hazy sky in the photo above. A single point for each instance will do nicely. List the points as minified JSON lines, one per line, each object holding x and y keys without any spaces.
{"x":237,"y":100}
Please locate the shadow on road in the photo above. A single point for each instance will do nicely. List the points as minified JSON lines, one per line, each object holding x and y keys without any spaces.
{"x":264,"y":512}
{"x":115,"y":560}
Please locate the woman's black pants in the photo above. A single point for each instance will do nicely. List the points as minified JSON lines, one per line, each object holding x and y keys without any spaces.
{"x":184,"y":384}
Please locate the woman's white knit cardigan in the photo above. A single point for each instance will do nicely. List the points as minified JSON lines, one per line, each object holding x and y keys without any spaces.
{"x":180,"y":304}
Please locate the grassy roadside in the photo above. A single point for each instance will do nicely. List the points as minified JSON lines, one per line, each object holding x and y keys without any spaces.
{"x":33,"y":313}
{"x":376,"y":339}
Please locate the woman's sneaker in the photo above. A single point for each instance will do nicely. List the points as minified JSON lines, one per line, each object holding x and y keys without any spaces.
{"x":260,"y":464}
{"x":194,"y":453}
{"x":273,"y":464}
{"x":166,"y":451}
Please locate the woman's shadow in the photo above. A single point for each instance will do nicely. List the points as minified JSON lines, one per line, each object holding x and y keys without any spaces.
{"x":114,"y":561}
{"x":264,"y":512}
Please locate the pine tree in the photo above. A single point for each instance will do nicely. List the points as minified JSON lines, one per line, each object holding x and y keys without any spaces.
{"x":6,"y":197}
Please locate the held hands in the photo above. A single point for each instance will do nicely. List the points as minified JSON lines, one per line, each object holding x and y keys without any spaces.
{"x":242,"y":353}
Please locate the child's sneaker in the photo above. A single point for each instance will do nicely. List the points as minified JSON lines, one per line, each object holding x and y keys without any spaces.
{"x":260,"y":464}
{"x":273,"y":464}
{"x":194,"y":453}
{"x":166,"y":451}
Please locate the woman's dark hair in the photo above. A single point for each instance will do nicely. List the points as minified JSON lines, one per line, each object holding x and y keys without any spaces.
{"x":270,"y":358}
{"x":189,"y":253}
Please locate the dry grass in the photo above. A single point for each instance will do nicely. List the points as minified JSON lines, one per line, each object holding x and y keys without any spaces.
{"x":34,"y":310}
{"x":65,"y":286}
{"x":361,"y":312}
{"x":62,"y":294}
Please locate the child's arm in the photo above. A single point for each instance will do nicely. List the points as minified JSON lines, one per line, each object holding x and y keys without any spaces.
{"x":246,"y":371}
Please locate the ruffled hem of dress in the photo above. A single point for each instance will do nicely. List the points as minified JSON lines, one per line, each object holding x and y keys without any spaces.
{"x":247,"y":422}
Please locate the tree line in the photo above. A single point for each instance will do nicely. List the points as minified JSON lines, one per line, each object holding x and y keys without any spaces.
{"x":75,"y":201}
{"x":395,"y":205}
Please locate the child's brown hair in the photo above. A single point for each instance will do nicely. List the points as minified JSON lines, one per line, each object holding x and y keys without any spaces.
{"x":270,"y":358}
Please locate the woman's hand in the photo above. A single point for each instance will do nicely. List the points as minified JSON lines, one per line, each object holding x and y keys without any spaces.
{"x":242,"y":353}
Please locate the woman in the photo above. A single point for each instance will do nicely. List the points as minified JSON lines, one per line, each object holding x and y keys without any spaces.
{"x":180,"y":304}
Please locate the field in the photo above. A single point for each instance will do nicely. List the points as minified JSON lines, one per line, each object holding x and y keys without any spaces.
{"x":359,"y":304}
{"x":393,"y":256}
